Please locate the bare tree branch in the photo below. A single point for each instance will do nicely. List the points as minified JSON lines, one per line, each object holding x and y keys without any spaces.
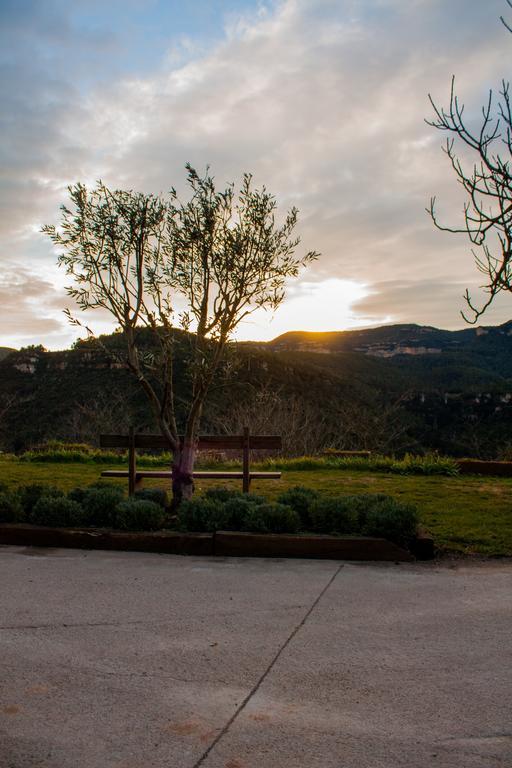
{"x":487,"y":183}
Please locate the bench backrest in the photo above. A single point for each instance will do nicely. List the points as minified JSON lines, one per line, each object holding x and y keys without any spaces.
{"x":205,"y":442}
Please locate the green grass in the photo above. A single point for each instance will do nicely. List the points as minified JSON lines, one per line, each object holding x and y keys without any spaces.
{"x":468,"y":514}
{"x":430,"y":464}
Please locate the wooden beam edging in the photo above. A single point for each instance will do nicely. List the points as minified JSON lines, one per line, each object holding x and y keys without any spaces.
{"x":480,"y":467}
{"x":235,"y":544}
{"x":221,"y":544}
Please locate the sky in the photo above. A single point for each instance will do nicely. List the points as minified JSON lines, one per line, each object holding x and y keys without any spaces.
{"x":323,"y":101}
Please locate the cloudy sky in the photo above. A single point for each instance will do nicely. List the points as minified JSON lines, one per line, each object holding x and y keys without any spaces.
{"x":322,"y":100}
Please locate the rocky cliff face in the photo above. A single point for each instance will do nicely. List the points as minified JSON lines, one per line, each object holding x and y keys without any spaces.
{"x":397,"y":340}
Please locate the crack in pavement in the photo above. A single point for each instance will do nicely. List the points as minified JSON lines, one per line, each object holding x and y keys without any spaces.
{"x":265,"y":674}
{"x":134,"y":622}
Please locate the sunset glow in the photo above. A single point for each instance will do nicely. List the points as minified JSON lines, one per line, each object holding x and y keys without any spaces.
{"x":324,"y":306}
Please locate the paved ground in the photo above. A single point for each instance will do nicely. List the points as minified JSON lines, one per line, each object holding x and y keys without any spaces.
{"x":113,"y":660}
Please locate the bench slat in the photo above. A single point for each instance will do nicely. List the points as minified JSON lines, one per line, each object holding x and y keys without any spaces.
{"x":200,"y":475}
{"x":205,"y":442}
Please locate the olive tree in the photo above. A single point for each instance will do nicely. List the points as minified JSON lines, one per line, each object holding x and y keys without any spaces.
{"x":480,"y":156}
{"x":201,"y":265}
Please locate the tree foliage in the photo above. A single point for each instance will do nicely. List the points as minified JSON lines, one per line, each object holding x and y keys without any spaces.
{"x":156,"y":262}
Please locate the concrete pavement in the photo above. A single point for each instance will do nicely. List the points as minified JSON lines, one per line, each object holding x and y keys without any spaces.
{"x":126,"y":660}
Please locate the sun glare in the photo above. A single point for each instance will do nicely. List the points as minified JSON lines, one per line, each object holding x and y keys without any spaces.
{"x":322,"y":306}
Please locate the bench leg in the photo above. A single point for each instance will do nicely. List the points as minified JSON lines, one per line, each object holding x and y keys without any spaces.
{"x":132,"y":463}
{"x":246,"y":481}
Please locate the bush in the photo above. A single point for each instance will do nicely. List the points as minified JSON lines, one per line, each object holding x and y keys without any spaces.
{"x":140,"y":515}
{"x":156,"y":495}
{"x":300,"y":499}
{"x":202,"y":515}
{"x":391,"y":520}
{"x":78,"y":494}
{"x":11,"y":509}
{"x":30,"y":495}
{"x":222,"y":494}
{"x":271,"y":518}
{"x":237,"y":509}
{"x":338,"y":514}
{"x":56,"y":511}
{"x":253,"y":521}
{"x":105,"y":484}
{"x":363,"y":503}
{"x":100,"y":505}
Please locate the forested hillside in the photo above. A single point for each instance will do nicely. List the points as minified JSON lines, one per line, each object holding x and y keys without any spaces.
{"x":390,"y":389}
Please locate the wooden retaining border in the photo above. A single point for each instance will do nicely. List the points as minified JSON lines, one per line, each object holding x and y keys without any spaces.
{"x":221,"y":544}
{"x":166,"y":542}
{"x":478,"y":467}
{"x":232,"y":544}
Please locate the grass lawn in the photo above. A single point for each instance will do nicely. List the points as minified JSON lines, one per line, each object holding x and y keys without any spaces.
{"x":468,"y":514}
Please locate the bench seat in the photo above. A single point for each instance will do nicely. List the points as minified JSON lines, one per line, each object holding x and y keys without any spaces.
{"x":200,"y":475}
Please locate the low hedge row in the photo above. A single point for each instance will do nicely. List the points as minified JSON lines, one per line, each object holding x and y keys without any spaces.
{"x":98,"y":506}
{"x":297,"y":509}
{"x":301,"y":509}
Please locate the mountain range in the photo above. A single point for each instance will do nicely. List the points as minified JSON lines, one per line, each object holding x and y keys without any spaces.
{"x":391,"y":388}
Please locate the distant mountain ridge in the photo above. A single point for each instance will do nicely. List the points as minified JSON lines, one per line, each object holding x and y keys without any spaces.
{"x":4,"y":351}
{"x":449,"y":391}
{"x":392,"y":340}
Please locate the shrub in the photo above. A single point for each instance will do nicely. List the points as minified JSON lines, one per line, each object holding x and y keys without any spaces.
{"x":391,"y":520}
{"x":280,"y":518}
{"x":253,"y":520}
{"x":30,"y":495}
{"x":222,"y":494}
{"x":140,"y":515}
{"x":271,"y":518}
{"x":105,"y":484}
{"x":78,"y":517}
{"x":78,"y":494}
{"x":202,"y":515}
{"x":300,"y":499}
{"x":237,"y":510}
{"x":11,"y":509}
{"x":362,"y":503}
{"x":56,"y":511}
{"x":156,"y":495}
{"x":100,"y":505}
{"x":338,"y":514}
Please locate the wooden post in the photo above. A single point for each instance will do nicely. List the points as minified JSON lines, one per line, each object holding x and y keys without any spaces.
{"x":132,"y":468}
{"x":246,"y":480}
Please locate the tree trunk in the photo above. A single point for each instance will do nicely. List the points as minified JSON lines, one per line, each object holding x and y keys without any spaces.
{"x":182,"y":469}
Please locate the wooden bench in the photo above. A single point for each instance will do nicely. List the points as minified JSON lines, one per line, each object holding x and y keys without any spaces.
{"x":244,"y":443}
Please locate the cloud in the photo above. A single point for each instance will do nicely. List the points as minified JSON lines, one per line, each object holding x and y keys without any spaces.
{"x":22,"y":298}
{"x":427,"y":302}
{"x":324,"y":101}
